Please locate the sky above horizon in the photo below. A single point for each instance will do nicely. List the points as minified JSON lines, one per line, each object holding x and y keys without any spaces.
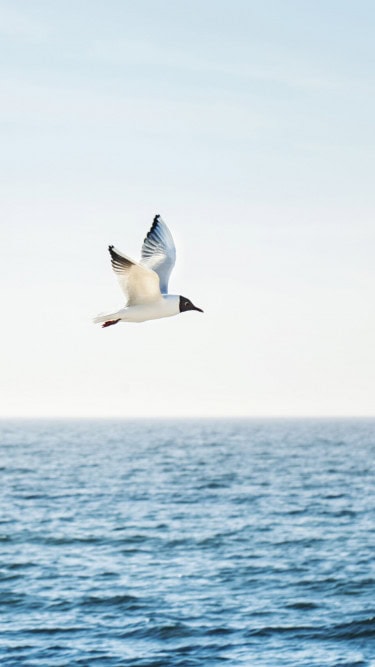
{"x":248,"y":126}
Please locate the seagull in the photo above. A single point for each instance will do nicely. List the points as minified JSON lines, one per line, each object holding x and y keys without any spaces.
{"x":145,"y":283}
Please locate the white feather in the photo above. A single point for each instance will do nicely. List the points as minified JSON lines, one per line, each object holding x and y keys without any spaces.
{"x":139,"y":284}
{"x":159,"y":252}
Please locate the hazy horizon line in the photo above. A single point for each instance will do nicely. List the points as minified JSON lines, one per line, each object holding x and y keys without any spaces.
{"x":164,"y":418}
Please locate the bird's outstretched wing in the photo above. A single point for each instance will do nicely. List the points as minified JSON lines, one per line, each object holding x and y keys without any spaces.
{"x":140,"y":284}
{"x":159,"y":252}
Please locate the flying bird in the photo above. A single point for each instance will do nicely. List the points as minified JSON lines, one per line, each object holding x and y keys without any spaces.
{"x":145,"y":283}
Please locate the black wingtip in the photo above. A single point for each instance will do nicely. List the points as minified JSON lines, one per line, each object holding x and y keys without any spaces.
{"x":110,"y":248}
{"x":156,"y":218}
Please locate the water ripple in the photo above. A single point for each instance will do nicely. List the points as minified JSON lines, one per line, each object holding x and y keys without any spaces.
{"x":187,"y":544}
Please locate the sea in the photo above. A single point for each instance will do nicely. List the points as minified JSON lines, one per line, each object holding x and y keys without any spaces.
{"x":200,"y":543}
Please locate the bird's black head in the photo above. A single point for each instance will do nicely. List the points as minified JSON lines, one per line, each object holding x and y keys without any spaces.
{"x":185,"y":304}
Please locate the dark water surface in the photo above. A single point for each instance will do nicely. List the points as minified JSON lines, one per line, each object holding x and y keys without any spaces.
{"x":187,"y":543}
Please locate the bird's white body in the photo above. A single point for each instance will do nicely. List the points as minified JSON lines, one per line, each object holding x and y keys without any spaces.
{"x":145,"y":283}
{"x":167,"y":306}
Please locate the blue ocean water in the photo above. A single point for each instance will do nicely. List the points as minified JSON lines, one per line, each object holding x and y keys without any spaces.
{"x":187,"y":543}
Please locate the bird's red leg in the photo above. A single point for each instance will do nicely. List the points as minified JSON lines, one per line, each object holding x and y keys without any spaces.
{"x":109,"y":323}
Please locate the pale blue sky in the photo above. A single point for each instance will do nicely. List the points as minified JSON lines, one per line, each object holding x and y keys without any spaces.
{"x":249,"y":126}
